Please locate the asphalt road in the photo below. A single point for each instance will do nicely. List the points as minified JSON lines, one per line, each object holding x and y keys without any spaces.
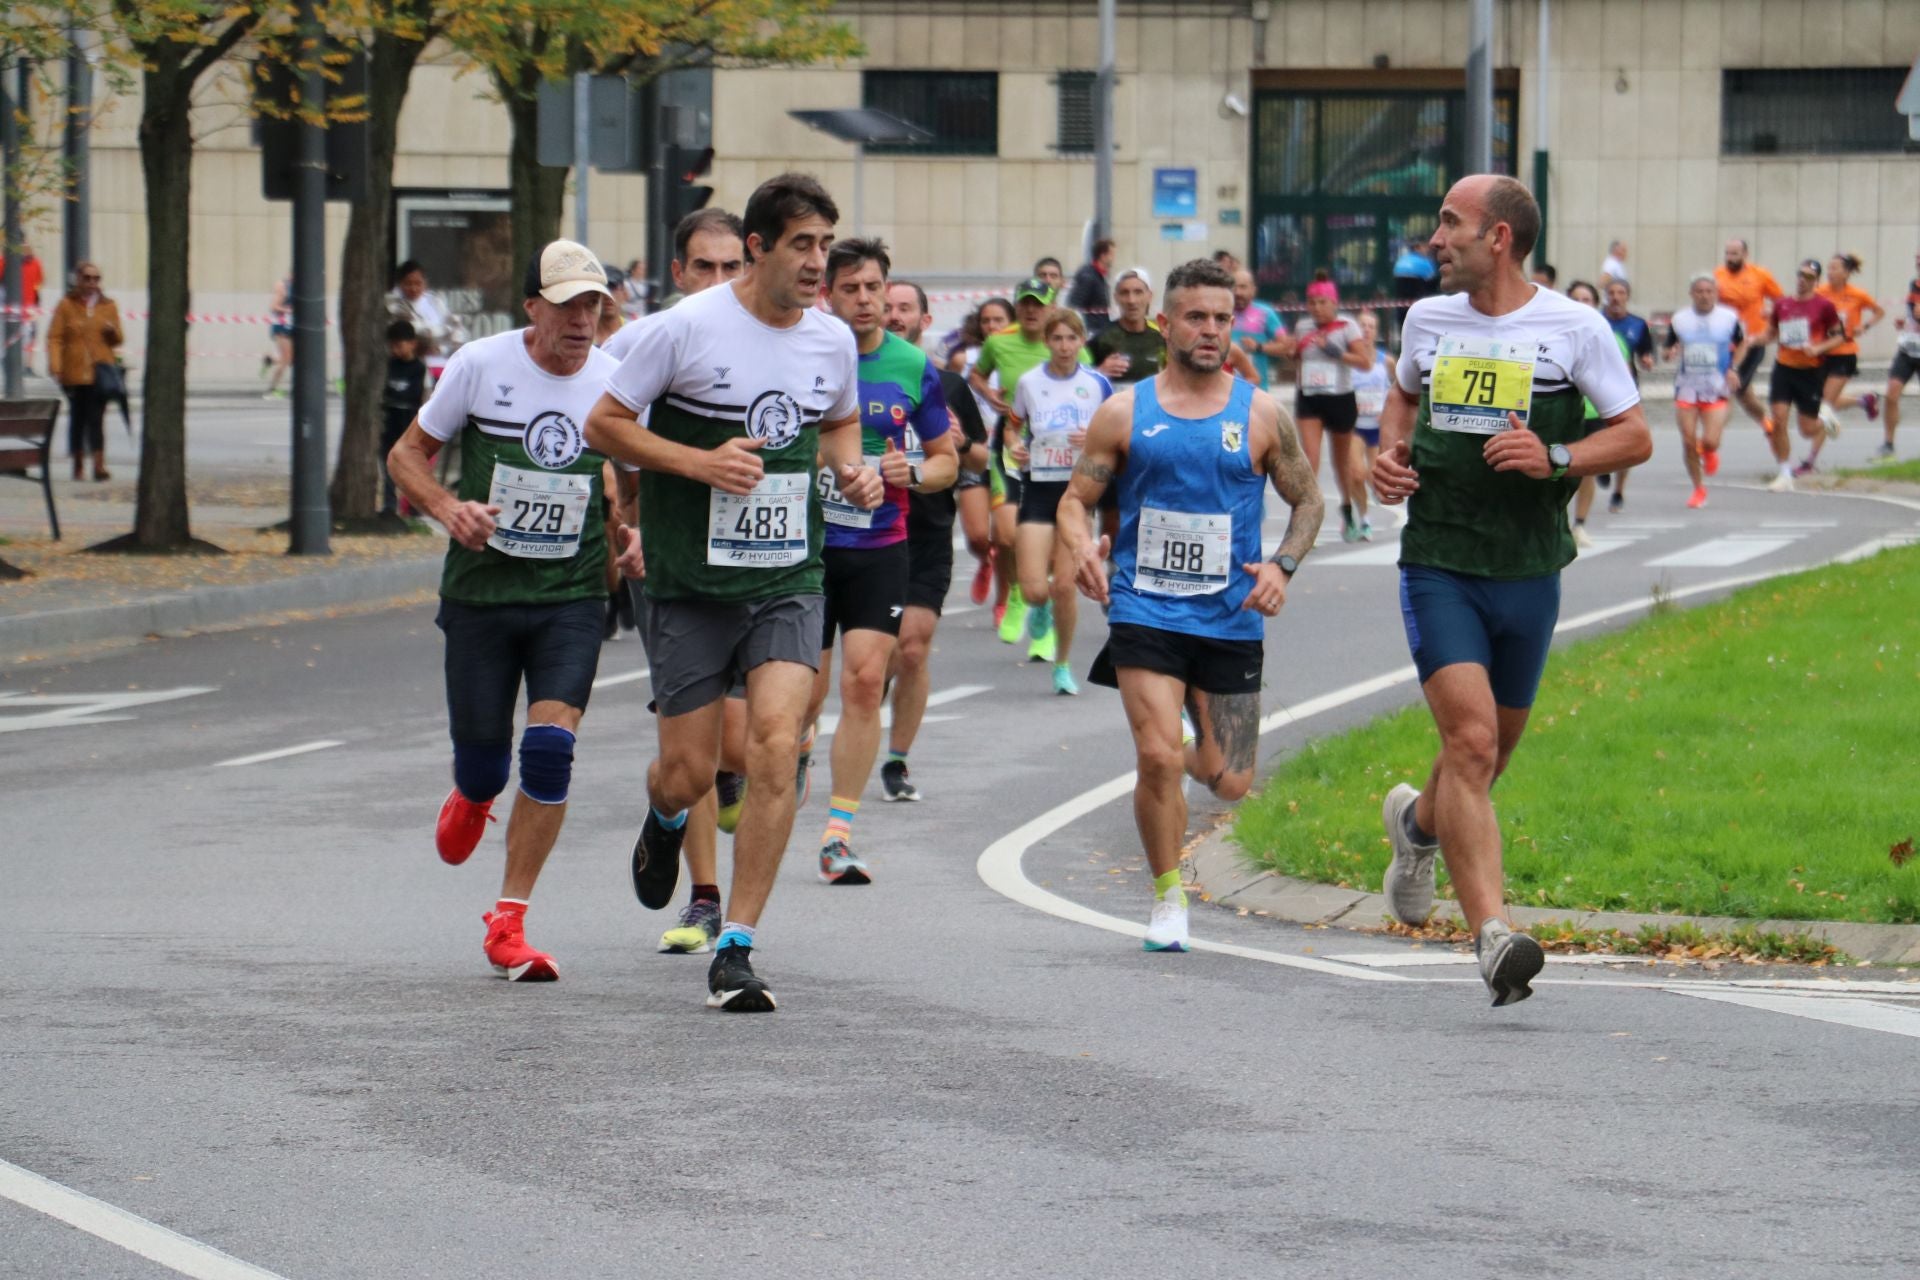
{"x":246,"y":1002}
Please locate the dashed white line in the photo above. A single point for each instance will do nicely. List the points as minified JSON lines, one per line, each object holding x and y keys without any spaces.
{"x":264,"y":756}
{"x":625,"y":677}
{"x":1867,"y":1015}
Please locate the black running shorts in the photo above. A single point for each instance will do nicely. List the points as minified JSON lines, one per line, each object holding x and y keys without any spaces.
{"x":1203,"y":663}
{"x":866,"y":589}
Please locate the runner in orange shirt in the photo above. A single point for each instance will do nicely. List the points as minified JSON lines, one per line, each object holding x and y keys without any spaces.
{"x":1750,"y":290}
{"x":1859,"y":312}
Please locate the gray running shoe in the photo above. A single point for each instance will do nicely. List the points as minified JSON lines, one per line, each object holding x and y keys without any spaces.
{"x":1508,"y":962}
{"x":1408,"y":883}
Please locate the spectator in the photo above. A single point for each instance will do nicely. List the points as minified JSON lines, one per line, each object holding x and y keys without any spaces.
{"x":1545,"y":276}
{"x":631,"y":292}
{"x":1089,"y":294}
{"x":81,"y":344}
{"x":31,"y":277}
{"x":400,"y":400}
{"x":1414,"y":275}
{"x":1049,"y":269}
{"x":436,"y":328}
{"x":1615,"y":267}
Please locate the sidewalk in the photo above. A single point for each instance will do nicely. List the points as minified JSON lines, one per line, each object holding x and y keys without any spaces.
{"x":76,"y":600}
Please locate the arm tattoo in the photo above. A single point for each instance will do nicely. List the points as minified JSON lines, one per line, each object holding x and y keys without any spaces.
{"x":1098,"y":472}
{"x":1295,"y":482}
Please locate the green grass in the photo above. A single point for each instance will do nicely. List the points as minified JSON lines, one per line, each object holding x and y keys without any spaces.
{"x":1757,"y":757}
{"x":1908,"y":471}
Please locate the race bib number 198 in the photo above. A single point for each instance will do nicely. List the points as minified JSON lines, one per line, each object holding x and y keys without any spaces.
{"x":1182,"y":554}
{"x":1477,"y":382}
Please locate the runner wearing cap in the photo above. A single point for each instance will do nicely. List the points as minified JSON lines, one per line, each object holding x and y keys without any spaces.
{"x":1331,"y":346}
{"x":1010,"y":353}
{"x":1807,"y":327}
{"x":1750,"y":291}
{"x":522,"y":593}
{"x":1711,"y":345}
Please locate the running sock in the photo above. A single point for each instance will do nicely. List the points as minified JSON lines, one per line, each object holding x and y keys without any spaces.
{"x":510,"y":907}
{"x":671,"y":823}
{"x":734,"y":934}
{"x":896,"y":757}
{"x":840,"y":813}
{"x":706,"y":893}
{"x":1167,"y":886}
{"x":1412,"y":826}
{"x":1346,"y":513}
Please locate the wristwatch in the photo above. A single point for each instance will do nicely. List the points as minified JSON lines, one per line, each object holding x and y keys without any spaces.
{"x":1288,"y":565}
{"x":1560,"y":459}
{"x":913,"y":475}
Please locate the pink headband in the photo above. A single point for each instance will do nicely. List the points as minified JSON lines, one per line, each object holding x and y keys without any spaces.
{"x":1323,"y":289}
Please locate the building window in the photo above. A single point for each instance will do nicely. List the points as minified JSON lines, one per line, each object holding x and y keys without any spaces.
{"x":960,"y":108}
{"x":1073,"y":127}
{"x":1811,"y":111}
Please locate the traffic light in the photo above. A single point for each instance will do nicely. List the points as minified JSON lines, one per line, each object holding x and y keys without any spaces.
{"x":685,"y":166}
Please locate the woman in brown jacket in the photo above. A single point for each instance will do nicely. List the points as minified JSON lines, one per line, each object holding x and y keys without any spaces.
{"x":82,"y":337}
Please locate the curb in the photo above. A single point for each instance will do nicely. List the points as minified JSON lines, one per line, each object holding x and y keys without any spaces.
{"x":1223,"y":871}
{"x":206,"y":608}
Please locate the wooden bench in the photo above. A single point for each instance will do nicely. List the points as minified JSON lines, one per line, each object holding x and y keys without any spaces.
{"x":26,"y":441}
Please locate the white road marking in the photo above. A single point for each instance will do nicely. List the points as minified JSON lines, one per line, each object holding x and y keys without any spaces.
{"x":625,"y":677}
{"x":1605,"y":542}
{"x":829,"y":721}
{"x":116,"y":1226}
{"x":1429,"y":959}
{"x":1376,"y":553}
{"x":59,"y":710}
{"x":1867,"y":1015}
{"x":1721,"y":553}
{"x":301,"y":750}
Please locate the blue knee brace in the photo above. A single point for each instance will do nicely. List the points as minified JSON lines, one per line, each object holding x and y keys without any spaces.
{"x":546,"y":763}
{"x":480,"y":772}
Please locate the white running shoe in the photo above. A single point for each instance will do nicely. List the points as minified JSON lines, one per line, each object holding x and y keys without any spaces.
{"x":1581,"y":539}
{"x":1782,"y":483}
{"x":1829,"y":419}
{"x":1167,"y":927}
{"x":1408,"y":884}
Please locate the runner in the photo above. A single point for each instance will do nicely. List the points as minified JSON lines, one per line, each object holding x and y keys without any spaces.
{"x":1710,"y":342}
{"x":1906,"y":363}
{"x":1807,"y":327}
{"x":522,"y":592}
{"x":1859,"y":313}
{"x":744,"y":386}
{"x":1587,"y":295}
{"x":1258,"y":331}
{"x":1191,"y":451}
{"x":707,"y":251}
{"x":1126,"y":351}
{"x":1750,"y":290}
{"x":1331,"y":347}
{"x":1010,"y":353}
{"x":280,"y":333}
{"x":1485,"y":433}
{"x":1049,"y":270}
{"x":1052,"y":407}
{"x":979,"y":501}
{"x":1636,"y":343}
{"x":867,"y":564}
{"x":1369,"y":398}
{"x":929,"y":548}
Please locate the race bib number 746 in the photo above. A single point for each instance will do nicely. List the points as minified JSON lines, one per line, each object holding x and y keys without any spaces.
{"x":1477,"y":382}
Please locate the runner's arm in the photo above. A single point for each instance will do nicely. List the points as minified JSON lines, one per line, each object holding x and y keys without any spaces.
{"x":1284,"y":462}
{"x":616,"y":431}
{"x":410,"y":463}
{"x":1359,"y":354}
{"x":1242,"y":364}
{"x":1394,"y":478}
{"x":1101,"y":458}
{"x":840,"y":451}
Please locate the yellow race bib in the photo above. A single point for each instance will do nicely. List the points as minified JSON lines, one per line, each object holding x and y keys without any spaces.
{"x":1477,"y":382}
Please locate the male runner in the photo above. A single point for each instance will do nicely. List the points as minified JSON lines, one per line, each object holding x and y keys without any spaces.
{"x":1636,"y":341}
{"x":930,"y":519}
{"x":1807,"y":327}
{"x":903,"y":415}
{"x":707,"y":250}
{"x":1257,"y":328}
{"x":1906,"y":363}
{"x":523,"y":591}
{"x":1049,"y":270}
{"x":1750,"y":290}
{"x":1130,"y":349}
{"x":744,"y":386}
{"x":1486,"y":432}
{"x":1192,"y":450}
{"x":1711,"y":343}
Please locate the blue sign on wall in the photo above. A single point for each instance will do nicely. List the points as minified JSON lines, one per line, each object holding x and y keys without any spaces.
{"x":1176,"y":193}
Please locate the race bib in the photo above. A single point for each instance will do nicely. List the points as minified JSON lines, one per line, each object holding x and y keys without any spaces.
{"x":765,"y":529}
{"x":834,"y":505}
{"x":1477,"y":382}
{"x":541,"y":512}
{"x":1700,"y":357}
{"x":1181,"y":554}
{"x":1370,"y":402}
{"x":1910,"y":342}
{"x":916,"y":451}
{"x":1795,"y":332}
{"x":1318,"y":377}
{"x":1050,"y":458}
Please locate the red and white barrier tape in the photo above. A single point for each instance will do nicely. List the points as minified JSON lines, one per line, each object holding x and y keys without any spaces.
{"x":192,"y":317}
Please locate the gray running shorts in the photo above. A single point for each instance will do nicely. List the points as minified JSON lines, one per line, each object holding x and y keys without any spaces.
{"x":698,"y":649}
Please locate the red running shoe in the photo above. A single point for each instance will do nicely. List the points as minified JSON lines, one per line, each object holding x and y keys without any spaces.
{"x":982,"y":583}
{"x":1710,"y":461}
{"x":508,"y":952}
{"x":1699,"y":498}
{"x":462,"y":823}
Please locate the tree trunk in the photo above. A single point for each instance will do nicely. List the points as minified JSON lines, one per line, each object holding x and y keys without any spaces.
{"x":166,"y":159}
{"x":355,"y":492}
{"x":537,"y":191}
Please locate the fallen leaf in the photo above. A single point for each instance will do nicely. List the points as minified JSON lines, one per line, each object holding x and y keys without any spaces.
{"x":1900,"y":854}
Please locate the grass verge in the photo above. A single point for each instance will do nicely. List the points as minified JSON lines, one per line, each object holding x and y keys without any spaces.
{"x":1752,"y":758}
{"x":1907,"y":472}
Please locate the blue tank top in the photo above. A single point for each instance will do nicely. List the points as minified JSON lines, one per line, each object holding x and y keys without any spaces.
{"x":1191,"y":506}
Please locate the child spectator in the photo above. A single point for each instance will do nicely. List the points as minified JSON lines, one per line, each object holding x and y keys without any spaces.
{"x":400,"y":399}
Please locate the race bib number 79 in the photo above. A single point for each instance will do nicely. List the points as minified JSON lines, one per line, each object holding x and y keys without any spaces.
{"x":1477,"y":382}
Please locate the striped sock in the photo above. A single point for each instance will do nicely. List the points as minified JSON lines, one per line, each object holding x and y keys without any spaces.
{"x":896,"y":757}
{"x":840,"y":819}
{"x":734,"y":934}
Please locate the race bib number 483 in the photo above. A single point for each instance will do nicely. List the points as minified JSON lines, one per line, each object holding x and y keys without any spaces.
{"x":765,"y":529}
{"x":1477,"y":382}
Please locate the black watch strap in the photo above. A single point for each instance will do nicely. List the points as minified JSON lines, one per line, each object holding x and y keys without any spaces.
{"x":1288,"y":565}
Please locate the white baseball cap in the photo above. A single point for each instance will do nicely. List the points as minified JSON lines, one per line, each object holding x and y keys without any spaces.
{"x":563,"y":271}
{"x":1137,"y":273}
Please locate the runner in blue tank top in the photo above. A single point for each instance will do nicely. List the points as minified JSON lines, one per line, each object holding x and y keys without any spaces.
{"x":1192,"y":450}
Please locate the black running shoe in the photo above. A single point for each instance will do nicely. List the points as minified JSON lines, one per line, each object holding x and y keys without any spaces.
{"x":731,"y":984}
{"x":894,"y":784}
{"x":656,"y":862}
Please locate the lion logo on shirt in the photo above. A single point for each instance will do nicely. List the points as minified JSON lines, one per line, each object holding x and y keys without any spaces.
{"x":774,"y":419}
{"x":554,"y":440}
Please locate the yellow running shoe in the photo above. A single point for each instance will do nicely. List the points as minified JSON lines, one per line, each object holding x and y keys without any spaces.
{"x":731,"y":790}
{"x":1013,"y":623}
